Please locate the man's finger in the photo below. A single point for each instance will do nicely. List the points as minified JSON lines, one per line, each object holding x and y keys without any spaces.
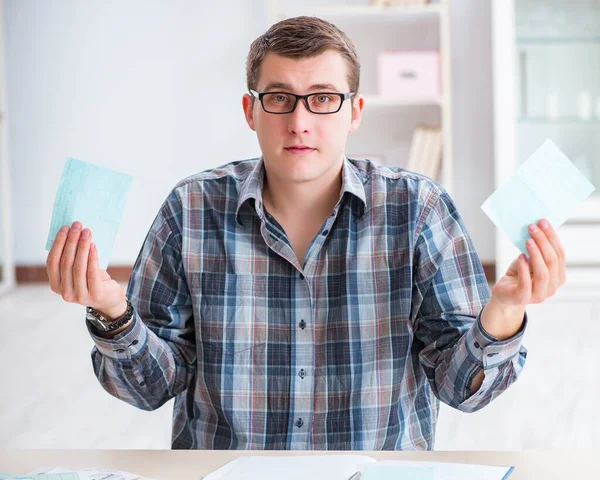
{"x":53,"y":260}
{"x":549,"y":254}
{"x":67,"y":260}
{"x":80,"y":267}
{"x":540,"y":272}
{"x":94,"y":278}
{"x":554,"y":240}
{"x":524,"y":277}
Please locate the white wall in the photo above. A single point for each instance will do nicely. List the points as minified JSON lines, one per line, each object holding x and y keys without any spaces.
{"x":472,"y":83}
{"x":125,"y":85}
{"x":6,"y":265}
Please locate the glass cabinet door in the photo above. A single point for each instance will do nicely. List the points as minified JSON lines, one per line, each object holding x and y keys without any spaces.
{"x":558,"y":81}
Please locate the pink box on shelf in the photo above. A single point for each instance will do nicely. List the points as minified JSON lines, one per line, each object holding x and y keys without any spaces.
{"x":405,"y":75}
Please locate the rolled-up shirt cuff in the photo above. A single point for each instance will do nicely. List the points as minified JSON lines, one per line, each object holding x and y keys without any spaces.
{"x":489,"y":351}
{"x":124,"y":345}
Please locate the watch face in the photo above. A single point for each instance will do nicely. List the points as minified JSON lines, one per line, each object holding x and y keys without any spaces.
{"x":97,"y":323}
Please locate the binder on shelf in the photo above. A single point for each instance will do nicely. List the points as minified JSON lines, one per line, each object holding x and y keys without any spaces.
{"x":425,"y":154}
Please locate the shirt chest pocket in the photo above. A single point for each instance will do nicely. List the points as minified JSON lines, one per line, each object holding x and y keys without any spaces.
{"x":232,"y":311}
{"x":231,"y":328}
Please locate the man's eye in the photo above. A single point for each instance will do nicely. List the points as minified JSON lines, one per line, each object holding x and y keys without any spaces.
{"x":281,"y":98}
{"x":323,"y":98}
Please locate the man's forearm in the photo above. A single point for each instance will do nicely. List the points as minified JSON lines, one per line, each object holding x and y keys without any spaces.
{"x":500,"y":321}
{"x":477,"y":381}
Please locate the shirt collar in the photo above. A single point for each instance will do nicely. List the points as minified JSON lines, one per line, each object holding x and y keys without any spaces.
{"x":252,"y":187}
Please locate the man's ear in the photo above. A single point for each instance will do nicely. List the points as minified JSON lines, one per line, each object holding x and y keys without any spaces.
{"x":248,"y":106}
{"x":358,"y":103}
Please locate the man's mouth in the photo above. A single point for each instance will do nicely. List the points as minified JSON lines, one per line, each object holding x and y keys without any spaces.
{"x":303,"y":149}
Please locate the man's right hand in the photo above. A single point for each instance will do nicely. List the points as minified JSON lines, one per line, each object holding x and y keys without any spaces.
{"x":75,"y":274}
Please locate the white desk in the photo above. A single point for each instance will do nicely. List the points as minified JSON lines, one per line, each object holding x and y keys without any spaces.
{"x":190,"y":465}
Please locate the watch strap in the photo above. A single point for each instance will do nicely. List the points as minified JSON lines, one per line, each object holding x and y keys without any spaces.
{"x":105,"y":324}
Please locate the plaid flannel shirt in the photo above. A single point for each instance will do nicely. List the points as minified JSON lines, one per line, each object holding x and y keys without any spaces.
{"x":352,"y":348}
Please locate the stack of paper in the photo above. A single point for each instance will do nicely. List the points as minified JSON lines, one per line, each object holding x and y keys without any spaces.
{"x":303,"y":467}
{"x":355,"y":467}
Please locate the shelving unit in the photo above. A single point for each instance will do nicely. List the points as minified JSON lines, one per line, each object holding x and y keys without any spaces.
{"x":542,"y":48}
{"x":377,"y":101}
{"x":365,"y":16}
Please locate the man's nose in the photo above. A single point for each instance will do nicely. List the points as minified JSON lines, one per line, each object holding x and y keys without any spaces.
{"x":300,"y":119}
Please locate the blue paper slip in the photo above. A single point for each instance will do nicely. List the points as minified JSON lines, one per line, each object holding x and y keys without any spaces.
{"x":42,"y":476}
{"x":96,"y":197}
{"x":547,"y":186}
{"x":407,"y":470}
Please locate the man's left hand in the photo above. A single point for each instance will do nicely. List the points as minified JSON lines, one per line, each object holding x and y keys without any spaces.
{"x":526,"y":282}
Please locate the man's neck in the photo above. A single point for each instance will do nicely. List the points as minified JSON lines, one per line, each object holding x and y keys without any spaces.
{"x":302,"y":200}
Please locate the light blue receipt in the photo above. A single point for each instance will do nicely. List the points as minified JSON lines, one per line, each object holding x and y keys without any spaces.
{"x":42,"y":476}
{"x":96,"y":197}
{"x":547,"y":186}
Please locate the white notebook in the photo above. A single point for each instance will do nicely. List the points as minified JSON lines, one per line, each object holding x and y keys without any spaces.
{"x":344,"y":467}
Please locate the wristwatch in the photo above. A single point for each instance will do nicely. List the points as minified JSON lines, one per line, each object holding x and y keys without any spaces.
{"x":103,"y":324}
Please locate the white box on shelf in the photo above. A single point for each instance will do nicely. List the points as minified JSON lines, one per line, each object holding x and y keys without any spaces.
{"x":405,"y":75}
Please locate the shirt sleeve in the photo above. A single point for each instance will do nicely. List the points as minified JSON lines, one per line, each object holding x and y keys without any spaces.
{"x":450,"y":291}
{"x":154,"y":359}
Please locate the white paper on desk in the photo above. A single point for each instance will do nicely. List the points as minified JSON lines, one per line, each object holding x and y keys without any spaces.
{"x":547,"y":186}
{"x":398,"y":469}
{"x":300,"y":467}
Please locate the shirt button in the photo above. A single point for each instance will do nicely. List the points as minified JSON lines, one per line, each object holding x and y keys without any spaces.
{"x":301,"y":277}
{"x":302,"y":373}
{"x":477,"y":345}
{"x":325,"y":232}
{"x":302,"y":324}
{"x":299,"y":423}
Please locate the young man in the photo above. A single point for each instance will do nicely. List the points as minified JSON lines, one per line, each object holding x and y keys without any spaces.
{"x":304,"y":300}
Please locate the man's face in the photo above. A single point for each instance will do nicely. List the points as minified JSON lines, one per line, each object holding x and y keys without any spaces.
{"x":324,"y":135}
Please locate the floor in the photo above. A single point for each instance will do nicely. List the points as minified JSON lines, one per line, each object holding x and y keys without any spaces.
{"x":50,"y":398}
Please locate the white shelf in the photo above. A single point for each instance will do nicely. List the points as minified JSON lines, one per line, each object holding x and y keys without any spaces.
{"x":378,"y":101}
{"x":367,"y":10}
{"x":588,"y":210}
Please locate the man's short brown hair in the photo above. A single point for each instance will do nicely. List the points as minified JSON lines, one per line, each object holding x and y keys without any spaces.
{"x":302,"y":37}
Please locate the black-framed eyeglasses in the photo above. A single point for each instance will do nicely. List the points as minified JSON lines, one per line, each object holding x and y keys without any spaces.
{"x":322,"y":103}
